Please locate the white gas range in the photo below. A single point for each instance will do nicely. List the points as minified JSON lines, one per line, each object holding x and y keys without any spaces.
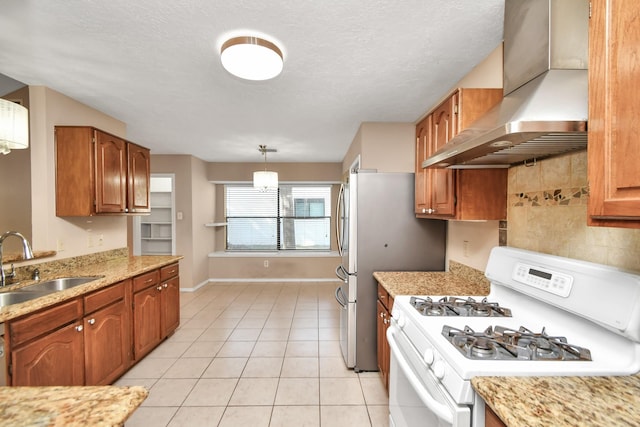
{"x":544,"y":316}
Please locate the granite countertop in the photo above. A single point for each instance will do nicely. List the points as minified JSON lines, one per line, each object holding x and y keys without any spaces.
{"x":113,"y":270}
{"x":99,"y":406}
{"x":459,"y":280}
{"x":562,"y":401}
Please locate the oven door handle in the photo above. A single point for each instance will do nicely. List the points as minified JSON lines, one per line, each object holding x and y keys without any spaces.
{"x":440,"y":410}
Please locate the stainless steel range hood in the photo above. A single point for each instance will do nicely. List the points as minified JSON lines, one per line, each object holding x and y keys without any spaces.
{"x":544,"y":110}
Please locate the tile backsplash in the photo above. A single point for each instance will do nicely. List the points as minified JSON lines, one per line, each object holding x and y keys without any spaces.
{"x":547,"y":212}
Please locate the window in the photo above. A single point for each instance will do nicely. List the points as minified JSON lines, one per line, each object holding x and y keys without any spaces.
{"x":295,"y":217}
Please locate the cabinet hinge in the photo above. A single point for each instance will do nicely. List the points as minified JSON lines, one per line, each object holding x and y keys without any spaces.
{"x":590,"y":6}
{"x":455,"y":109}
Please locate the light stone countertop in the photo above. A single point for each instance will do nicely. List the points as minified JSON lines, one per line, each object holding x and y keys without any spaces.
{"x":529,"y":401}
{"x":100,"y":406}
{"x":459,"y":280}
{"x":562,"y":401}
{"x":114,"y":270}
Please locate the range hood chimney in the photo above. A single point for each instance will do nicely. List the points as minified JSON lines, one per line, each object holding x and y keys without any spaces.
{"x":544,"y":110}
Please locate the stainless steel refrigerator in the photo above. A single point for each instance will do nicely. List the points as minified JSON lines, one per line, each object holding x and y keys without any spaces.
{"x":377,"y":230}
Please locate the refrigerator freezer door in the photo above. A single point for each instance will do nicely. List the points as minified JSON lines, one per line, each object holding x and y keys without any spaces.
{"x":389,"y":238}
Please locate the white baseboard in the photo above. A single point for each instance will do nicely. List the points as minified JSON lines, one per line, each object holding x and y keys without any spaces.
{"x":256,"y":280}
{"x":195,"y":288}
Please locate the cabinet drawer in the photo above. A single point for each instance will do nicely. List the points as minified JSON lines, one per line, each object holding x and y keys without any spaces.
{"x":146,"y":280}
{"x":169,"y":271}
{"x":39,"y":323}
{"x":104,"y":297}
{"x":383,"y":296}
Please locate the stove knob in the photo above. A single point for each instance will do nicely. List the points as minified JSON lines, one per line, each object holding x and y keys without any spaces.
{"x":400,"y":320}
{"x":438,"y":369}
{"x":428,"y":356}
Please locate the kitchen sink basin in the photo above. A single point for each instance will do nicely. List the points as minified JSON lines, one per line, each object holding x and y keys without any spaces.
{"x":60,"y":284}
{"x":16,"y":297}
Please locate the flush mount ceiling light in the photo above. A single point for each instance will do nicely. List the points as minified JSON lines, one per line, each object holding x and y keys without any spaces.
{"x":14,"y":126}
{"x":265,"y":180}
{"x":251,"y":58}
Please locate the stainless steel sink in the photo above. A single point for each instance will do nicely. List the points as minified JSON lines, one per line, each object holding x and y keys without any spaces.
{"x":59,"y":284}
{"x":16,"y":297}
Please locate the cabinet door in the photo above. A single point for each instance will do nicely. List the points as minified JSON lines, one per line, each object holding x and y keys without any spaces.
{"x":170,"y":318}
{"x":138,"y":195}
{"x":441,"y":180}
{"x":146,"y":320}
{"x":613,"y":155}
{"x":382,"y":342}
{"x":56,"y":359}
{"x":107,"y":343}
{"x":111,"y":173}
{"x":423,"y":138}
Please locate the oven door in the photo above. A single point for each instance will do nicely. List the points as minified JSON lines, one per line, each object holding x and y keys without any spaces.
{"x":416,"y":397}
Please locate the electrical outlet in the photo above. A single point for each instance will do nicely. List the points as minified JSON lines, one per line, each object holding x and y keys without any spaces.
{"x":465,"y":248}
{"x":100,"y":239}
{"x":60,"y":245}
{"x":266,"y":263}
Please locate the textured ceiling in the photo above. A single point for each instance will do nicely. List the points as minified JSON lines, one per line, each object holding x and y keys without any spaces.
{"x":155,"y":66}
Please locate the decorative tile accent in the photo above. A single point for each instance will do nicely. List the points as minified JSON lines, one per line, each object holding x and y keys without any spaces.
{"x":556,"y":197}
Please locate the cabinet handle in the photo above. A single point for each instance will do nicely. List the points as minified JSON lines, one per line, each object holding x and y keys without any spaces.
{"x":382,"y":315}
{"x":431,"y":211}
{"x":159,"y":288}
{"x":166,"y":285}
{"x":91,"y":321}
{"x":79,"y":328}
{"x":148,"y":281}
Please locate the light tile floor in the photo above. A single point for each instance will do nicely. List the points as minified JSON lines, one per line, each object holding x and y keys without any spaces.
{"x":261,"y":354}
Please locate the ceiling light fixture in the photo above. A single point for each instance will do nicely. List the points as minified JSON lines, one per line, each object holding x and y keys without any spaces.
{"x":14,"y":126}
{"x":251,"y":58}
{"x":265,"y":180}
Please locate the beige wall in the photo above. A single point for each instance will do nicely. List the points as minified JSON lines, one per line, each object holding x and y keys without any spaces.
{"x":194,"y":199}
{"x":49,"y":108}
{"x":385,"y":146}
{"x":280,"y":267}
{"x":547,"y":212}
{"x":15,"y":193}
{"x":292,"y":172}
{"x":200,"y":197}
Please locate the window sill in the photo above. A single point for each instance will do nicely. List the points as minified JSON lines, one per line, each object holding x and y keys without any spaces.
{"x":280,"y":254}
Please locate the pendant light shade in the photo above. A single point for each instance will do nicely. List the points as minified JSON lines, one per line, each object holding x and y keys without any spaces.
{"x":251,"y":58}
{"x":265,"y":180}
{"x":14,"y":126}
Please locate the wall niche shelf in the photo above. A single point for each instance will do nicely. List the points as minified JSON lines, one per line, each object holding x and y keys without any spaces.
{"x":157,"y":233}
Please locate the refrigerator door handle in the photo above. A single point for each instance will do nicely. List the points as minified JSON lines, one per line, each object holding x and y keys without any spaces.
{"x":340,"y":297}
{"x":342,"y":274}
{"x":339,"y":224}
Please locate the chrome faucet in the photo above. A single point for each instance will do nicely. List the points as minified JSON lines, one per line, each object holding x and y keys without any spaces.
{"x":28,"y":254}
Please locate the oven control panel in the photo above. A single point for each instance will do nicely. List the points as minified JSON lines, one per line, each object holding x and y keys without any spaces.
{"x":544,"y":279}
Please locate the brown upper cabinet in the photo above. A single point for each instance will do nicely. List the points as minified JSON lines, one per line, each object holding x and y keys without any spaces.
{"x":99,"y":174}
{"x":462,"y":194}
{"x":613,"y":150}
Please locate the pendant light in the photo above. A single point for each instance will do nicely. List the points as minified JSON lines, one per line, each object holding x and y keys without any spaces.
{"x":251,"y":58}
{"x":265,"y":180}
{"x":14,"y":126}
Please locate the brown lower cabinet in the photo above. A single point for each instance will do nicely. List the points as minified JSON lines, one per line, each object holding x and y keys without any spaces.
{"x":156,"y":313}
{"x":385,"y":305}
{"x":95,"y":338}
{"x":491,"y":419}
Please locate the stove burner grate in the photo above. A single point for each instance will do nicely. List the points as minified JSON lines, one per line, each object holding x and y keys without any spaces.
{"x":460,"y":307}
{"x":502,"y":343}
